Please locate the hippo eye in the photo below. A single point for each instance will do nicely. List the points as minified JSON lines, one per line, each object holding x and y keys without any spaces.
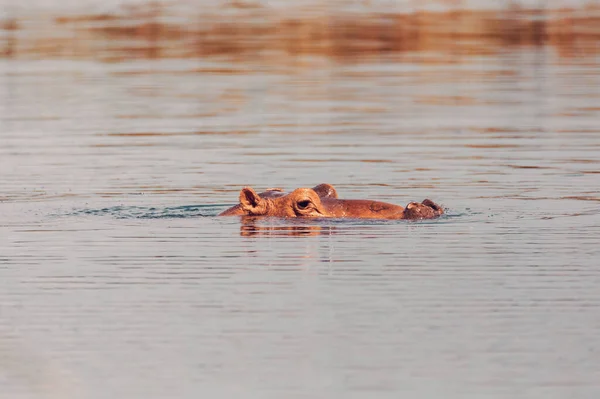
{"x":302,"y":205}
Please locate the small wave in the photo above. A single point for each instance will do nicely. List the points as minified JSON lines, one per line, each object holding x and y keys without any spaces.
{"x":141,"y":212}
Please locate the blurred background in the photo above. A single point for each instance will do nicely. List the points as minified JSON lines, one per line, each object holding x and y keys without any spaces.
{"x":126,"y":126}
{"x":275,"y":31}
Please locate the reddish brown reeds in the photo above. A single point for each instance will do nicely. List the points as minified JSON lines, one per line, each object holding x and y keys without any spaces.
{"x":258,"y":32}
{"x":9,"y":24}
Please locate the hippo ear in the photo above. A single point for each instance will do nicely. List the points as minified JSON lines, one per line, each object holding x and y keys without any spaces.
{"x":325,"y":191}
{"x":251,"y":202}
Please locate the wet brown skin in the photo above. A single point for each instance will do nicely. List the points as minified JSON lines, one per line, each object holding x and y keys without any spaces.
{"x":307,"y":202}
{"x":323,"y":190}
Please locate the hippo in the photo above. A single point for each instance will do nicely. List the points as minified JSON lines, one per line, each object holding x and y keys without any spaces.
{"x":322,"y":201}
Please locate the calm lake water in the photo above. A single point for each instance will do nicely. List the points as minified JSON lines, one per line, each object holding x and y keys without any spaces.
{"x":118,"y":281}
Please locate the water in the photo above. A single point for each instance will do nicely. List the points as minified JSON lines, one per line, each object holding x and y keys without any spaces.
{"x":117,"y":280}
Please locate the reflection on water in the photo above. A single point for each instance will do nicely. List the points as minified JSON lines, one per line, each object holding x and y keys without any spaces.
{"x":118,"y":280}
{"x":251,"y":227}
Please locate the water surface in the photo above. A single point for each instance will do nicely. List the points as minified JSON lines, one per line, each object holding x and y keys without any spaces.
{"x":117,"y":279}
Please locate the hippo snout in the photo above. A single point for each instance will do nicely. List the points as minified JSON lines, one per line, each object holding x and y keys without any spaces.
{"x":422,"y":210}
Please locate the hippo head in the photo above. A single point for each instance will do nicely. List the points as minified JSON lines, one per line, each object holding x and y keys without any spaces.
{"x":302,"y":202}
{"x":268,"y":203}
{"x":422,"y":210}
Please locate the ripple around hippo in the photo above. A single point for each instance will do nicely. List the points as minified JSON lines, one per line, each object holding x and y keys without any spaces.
{"x":320,"y":202}
{"x":141,"y":212}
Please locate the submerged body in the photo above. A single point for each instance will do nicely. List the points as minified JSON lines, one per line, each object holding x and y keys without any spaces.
{"x":322,"y":201}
